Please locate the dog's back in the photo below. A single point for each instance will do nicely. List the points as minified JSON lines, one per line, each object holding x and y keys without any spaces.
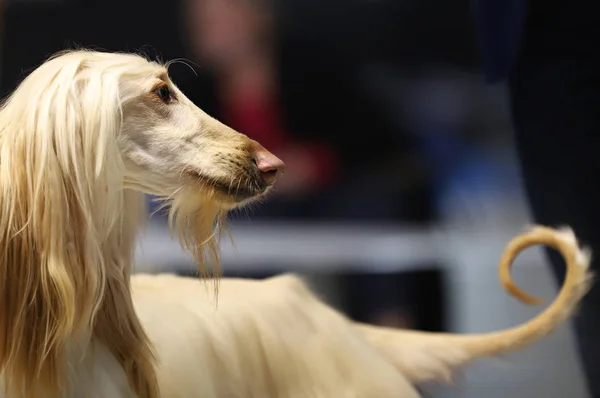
{"x":270,"y":338}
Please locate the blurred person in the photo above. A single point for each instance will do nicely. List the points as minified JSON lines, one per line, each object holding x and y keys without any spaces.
{"x":234,"y":40}
{"x":299,"y":99}
{"x":547,"y":53}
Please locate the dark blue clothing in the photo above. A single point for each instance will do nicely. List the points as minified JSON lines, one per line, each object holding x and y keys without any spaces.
{"x":500,"y":29}
{"x":547,"y":50}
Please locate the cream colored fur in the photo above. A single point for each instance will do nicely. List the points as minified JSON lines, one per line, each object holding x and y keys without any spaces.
{"x":276,"y":338}
{"x":81,"y":139}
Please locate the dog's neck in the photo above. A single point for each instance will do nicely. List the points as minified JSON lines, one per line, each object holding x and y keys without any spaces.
{"x":117,"y":326}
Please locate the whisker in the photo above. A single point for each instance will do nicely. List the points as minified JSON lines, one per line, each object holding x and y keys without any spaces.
{"x":185,"y":62}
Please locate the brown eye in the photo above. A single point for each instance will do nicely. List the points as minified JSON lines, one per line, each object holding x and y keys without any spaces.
{"x":164,"y":93}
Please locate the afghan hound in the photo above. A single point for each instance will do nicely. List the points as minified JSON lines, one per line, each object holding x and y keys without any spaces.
{"x":82,"y":139}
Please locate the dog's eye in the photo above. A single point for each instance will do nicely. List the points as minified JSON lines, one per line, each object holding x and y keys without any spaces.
{"x":164,"y":93}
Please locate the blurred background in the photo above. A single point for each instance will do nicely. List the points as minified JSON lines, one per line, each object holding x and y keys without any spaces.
{"x":401,"y":186}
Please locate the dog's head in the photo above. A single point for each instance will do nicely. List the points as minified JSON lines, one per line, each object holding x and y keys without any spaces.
{"x":168,"y":144}
{"x":172,"y":149}
{"x":77,"y":137}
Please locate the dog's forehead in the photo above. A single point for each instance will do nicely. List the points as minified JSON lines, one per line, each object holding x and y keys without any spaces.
{"x":150,"y":76}
{"x":163,"y":75}
{"x":157,"y":71}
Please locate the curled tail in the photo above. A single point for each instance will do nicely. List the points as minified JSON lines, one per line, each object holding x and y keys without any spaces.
{"x":425,"y":356}
{"x":576,"y":284}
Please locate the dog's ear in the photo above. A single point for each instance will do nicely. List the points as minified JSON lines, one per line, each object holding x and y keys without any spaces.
{"x":60,"y":195}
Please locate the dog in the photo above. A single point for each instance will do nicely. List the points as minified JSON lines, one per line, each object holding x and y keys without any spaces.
{"x":82,"y":139}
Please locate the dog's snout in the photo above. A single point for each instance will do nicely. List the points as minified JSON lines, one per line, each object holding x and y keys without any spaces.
{"x":269,"y":165}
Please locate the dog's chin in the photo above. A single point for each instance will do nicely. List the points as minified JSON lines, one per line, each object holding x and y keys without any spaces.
{"x":232,"y":199}
{"x":229,"y":196}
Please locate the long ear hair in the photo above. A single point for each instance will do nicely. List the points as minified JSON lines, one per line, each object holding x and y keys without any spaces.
{"x":61,"y":201}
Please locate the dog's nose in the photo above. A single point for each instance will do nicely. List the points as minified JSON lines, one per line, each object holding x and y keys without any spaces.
{"x":269,"y":165}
